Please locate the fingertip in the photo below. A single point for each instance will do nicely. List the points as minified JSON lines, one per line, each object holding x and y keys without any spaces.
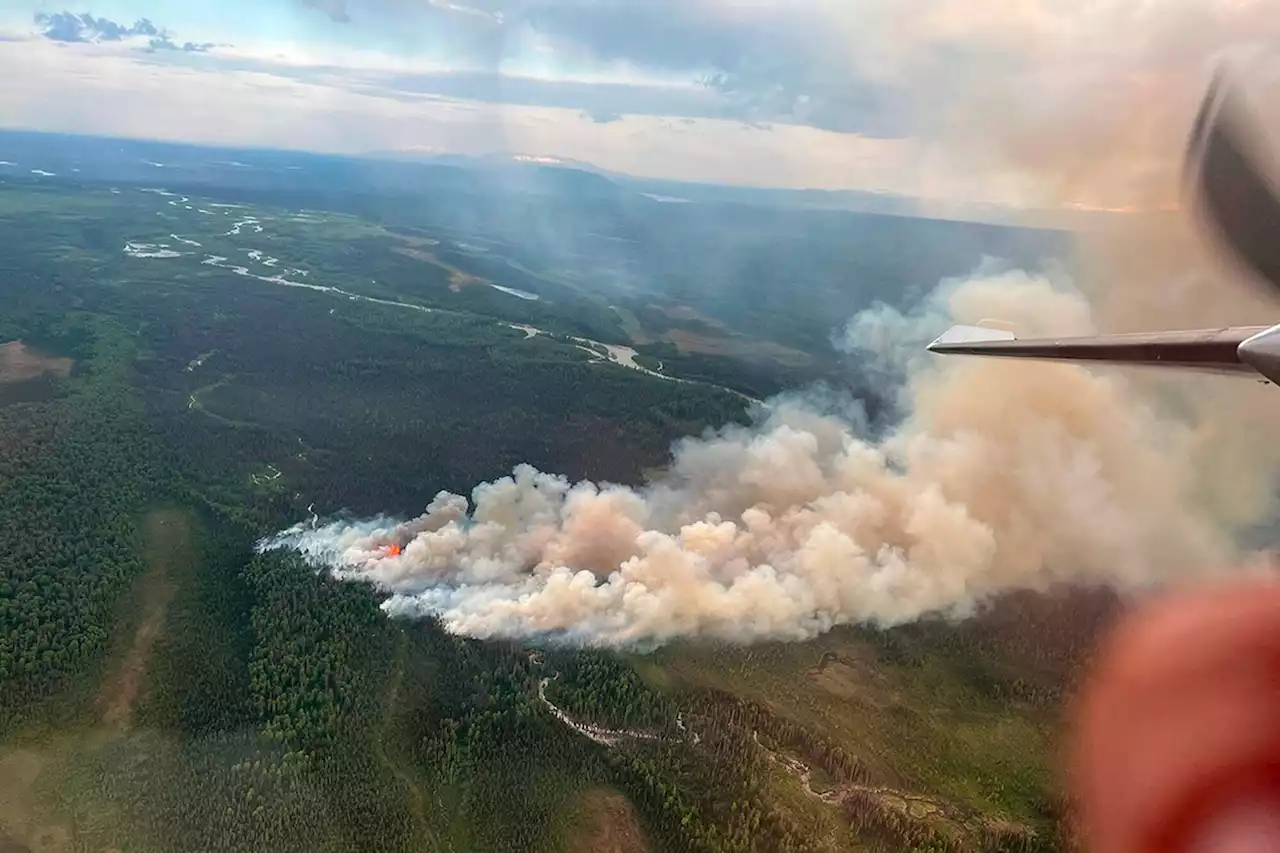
{"x":1248,"y":824}
{"x":1182,"y":701}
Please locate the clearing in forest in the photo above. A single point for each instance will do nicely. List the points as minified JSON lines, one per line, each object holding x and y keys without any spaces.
{"x":607,"y":823}
{"x":398,"y":766}
{"x":168,"y":543}
{"x":20,"y":363}
{"x":22,"y":829}
{"x":736,"y":346}
{"x":458,"y":278}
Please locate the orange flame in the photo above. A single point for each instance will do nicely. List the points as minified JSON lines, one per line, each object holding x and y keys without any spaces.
{"x":393,"y":550}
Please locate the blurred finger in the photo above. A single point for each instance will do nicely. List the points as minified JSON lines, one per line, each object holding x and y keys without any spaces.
{"x":1178,"y":739}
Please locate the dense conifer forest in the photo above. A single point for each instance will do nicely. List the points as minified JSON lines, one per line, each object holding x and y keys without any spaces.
{"x":164,"y":687}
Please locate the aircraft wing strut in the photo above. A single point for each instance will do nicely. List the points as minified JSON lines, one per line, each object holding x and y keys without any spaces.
{"x":1209,"y":350}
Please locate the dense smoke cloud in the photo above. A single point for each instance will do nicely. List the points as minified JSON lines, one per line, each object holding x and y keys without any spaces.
{"x":1064,"y":103}
{"x":1003,"y":476}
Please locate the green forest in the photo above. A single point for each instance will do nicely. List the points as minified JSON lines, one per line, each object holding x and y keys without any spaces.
{"x":163,"y":687}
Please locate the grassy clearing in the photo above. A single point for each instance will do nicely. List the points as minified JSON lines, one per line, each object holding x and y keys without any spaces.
{"x":168,"y":546}
{"x":606,"y":822}
{"x":458,"y":278}
{"x":20,"y":363}
{"x":392,"y":756}
{"x":737,"y":347}
{"x":51,"y":200}
{"x":43,"y":806}
{"x":25,"y":825}
{"x":926,"y":727}
{"x":823,"y":823}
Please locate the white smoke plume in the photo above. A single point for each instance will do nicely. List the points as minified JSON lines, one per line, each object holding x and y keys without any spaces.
{"x":1003,"y":476}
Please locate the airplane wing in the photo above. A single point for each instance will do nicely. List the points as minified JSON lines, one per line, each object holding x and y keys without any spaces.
{"x":1208,"y":350}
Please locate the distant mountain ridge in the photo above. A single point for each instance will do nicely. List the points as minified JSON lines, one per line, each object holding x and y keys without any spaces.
{"x":132,"y":161}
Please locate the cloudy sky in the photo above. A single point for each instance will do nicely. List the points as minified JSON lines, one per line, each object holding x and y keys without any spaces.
{"x":966,"y":98}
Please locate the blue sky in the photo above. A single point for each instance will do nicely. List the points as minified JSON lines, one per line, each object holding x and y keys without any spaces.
{"x":927,"y":97}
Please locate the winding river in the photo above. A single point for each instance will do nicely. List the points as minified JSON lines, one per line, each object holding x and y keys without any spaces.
{"x":600,"y":352}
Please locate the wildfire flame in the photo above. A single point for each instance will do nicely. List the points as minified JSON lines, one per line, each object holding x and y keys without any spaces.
{"x":393,"y":550}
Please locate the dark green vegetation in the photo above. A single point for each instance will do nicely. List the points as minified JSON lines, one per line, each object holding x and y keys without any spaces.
{"x":163,"y":688}
{"x":73,"y":474}
{"x":597,"y":686}
{"x":749,"y":293}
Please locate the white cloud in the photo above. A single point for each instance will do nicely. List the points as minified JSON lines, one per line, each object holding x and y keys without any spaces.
{"x":1036,"y":101}
{"x":103,"y":89}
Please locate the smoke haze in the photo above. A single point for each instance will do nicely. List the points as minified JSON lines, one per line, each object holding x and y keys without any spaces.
{"x":1001,"y":475}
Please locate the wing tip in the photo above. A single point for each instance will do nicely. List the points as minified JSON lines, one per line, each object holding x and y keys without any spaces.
{"x":961,"y":336}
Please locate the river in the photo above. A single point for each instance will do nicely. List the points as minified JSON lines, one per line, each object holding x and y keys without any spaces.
{"x":623,"y":356}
